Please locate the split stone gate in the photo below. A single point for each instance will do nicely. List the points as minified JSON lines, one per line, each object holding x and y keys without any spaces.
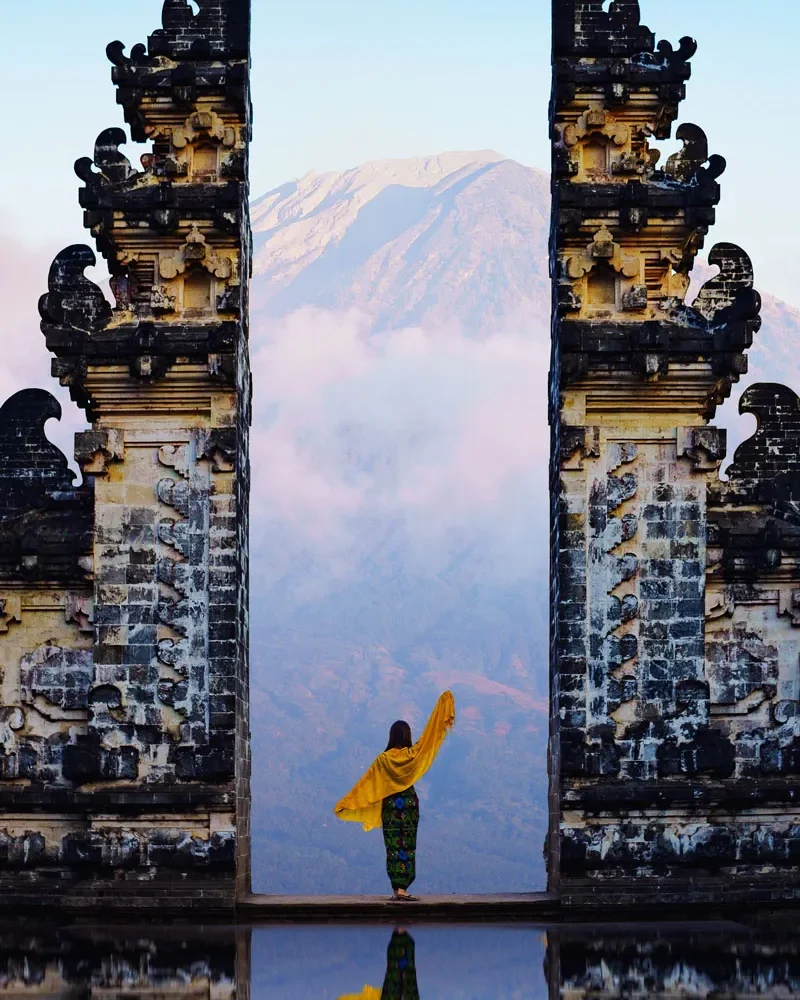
{"x":675,"y":676}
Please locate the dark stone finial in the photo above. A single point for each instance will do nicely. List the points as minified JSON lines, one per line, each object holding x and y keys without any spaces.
{"x":683,"y":165}
{"x":176,"y":14}
{"x":74,"y":302}
{"x":687,"y":47}
{"x":730,"y":294}
{"x":31,"y":467}
{"x":114,"y":167}
{"x":766,"y":467}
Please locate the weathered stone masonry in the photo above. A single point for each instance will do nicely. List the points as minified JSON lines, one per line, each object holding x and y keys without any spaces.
{"x":124,"y":739}
{"x":675,"y":656}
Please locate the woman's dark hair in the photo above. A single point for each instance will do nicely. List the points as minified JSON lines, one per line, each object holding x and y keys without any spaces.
{"x":399,"y":735}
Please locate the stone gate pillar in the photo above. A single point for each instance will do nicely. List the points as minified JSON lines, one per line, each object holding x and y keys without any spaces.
{"x":673,"y":671}
{"x":124,"y":737}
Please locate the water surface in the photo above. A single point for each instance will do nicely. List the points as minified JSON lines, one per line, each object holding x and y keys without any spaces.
{"x":377,"y":962}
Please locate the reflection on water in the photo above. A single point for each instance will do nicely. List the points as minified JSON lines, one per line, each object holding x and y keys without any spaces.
{"x":716,"y":960}
{"x":462,"y":962}
{"x":130,"y":963}
{"x":467,"y":962}
{"x":400,"y":982}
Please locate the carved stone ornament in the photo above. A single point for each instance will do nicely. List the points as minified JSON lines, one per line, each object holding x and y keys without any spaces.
{"x":31,"y":467}
{"x":196,"y":252}
{"x":603,"y":248}
{"x":201,"y":125}
{"x":73,"y":302}
{"x":686,"y":166}
{"x":596,"y":121}
{"x":113,"y":166}
{"x":706,"y":447}
{"x":95,"y":449}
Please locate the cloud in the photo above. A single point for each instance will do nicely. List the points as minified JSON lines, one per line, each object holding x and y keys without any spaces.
{"x":430,"y":436}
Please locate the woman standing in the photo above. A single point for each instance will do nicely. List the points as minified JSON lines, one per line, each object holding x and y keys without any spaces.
{"x":385,"y":796}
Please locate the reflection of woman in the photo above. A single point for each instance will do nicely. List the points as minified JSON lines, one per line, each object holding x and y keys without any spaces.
{"x":401,"y":969}
{"x":401,"y":973}
{"x":385,"y":796}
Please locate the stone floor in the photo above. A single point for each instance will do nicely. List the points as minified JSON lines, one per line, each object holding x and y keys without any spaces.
{"x":504,"y":906}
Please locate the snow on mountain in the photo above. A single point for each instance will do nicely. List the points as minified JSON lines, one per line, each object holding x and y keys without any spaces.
{"x":424,"y":241}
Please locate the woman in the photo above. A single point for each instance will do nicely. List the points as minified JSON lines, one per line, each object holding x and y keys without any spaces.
{"x":385,"y":796}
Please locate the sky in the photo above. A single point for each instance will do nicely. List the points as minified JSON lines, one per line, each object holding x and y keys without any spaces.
{"x":340,"y":82}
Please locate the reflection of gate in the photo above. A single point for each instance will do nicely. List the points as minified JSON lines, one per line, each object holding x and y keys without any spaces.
{"x":124,"y":740}
{"x":675,"y":724}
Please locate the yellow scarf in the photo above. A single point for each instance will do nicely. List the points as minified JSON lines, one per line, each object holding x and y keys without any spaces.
{"x":396,"y":770}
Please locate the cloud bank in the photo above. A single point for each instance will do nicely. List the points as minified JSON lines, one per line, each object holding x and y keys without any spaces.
{"x":428,"y":434}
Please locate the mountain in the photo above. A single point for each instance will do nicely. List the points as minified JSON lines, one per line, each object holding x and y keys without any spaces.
{"x":400,"y":347}
{"x":411,"y":242}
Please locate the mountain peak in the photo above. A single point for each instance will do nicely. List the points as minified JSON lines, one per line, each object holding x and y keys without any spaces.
{"x":379,"y":236}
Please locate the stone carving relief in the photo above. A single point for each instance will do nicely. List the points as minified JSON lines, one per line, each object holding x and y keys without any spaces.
{"x":56,"y":681}
{"x":95,"y":450}
{"x":198,"y":279}
{"x":196,"y":252}
{"x":204,"y":149}
{"x":604,"y":277}
{"x":43,"y":682}
{"x":182,"y":571}
{"x":598,"y":144}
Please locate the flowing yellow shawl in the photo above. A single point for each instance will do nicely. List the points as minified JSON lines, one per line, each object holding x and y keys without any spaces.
{"x":396,"y":770}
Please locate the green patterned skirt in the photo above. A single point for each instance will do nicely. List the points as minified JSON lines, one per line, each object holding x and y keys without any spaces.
{"x":400,"y":819}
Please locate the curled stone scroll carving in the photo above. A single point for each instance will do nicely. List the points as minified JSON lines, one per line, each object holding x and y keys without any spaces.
{"x":73,"y":302}
{"x":686,"y":165}
{"x":32,"y":469}
{"x":113,"y":166}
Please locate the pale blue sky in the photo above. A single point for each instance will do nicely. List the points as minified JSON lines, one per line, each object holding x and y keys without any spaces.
{"x":338,"y":82}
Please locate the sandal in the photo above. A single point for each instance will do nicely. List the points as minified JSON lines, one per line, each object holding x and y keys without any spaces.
{"x":405,"y":899}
